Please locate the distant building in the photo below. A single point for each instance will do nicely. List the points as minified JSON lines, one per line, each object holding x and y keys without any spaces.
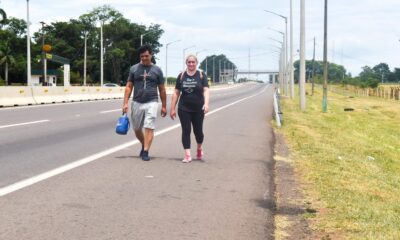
{"x":52,"y":77}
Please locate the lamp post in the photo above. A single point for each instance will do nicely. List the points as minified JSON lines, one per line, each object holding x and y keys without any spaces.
{"x":291,"y":68}
{"x":219,"y":71}
{"x":281,"y":65}
{"x":184,"y":50}
{"x":302,"y":77}
{"x":200,"y":51}
{"x":28,"y":47}
{"x":213,"y":68}
{"x":141,"y":37}
{"x":101,"y":54}
{"x":325,"y":86}
{"x":206,"y":58}
{"x":43,"y":56}
{"x":285,"y":87}
{"x":84,"y":60}
{"x":166,"y":59}
{"x":285,"y":42}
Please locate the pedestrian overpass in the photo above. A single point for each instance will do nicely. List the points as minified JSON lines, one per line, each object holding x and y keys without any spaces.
{"x":271,"y":75}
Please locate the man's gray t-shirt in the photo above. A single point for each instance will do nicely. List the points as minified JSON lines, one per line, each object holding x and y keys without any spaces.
{"x":145,"y":82}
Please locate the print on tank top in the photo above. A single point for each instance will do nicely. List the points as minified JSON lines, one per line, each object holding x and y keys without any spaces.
{"x":189,"y":84}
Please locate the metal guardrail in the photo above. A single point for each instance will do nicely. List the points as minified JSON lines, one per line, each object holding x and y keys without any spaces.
{"x":277,"y":109}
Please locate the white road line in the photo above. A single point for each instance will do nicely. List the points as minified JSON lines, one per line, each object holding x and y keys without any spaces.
{"x":25,"y":123}
{"x":55,"y":104}
{"x":109,"y":111}
{"x":41,"y":177}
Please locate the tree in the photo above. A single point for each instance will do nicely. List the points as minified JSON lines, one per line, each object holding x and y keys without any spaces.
{"x":382,"y":70}
{"x":396,"y":74}
{"x":121,"y":42}
{"x":7,"y":59}
{"x":11,"y":46}
{"x":336,"y":73}
{"x":213,"y":65}
{"x":3,"y":17}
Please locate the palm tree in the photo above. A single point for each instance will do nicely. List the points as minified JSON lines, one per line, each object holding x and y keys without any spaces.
{"x":7,"y":59}
{"x":3,"y":17}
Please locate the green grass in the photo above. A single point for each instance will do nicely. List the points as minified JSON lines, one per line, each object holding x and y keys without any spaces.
{"x":349,"y":163}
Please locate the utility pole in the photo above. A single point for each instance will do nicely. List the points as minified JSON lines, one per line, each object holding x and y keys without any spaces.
{"x":166,"y":60}
{"x":219,"y":72}
{"x":101,"y":54}
{"x":313,"y":70}
{"x":302,"y":78}
{"x":206,"y":65}
{"x":28,"y":47}
{"x":291,"y":53}
{"x":325,"y":87}
{"x":213,"y":68}
{"x":248,"y":76}
{"x":84,"y":60}
{"x":43,"y":57}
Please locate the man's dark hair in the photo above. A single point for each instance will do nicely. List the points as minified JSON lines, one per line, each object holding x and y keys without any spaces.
{"x":145,"y":48}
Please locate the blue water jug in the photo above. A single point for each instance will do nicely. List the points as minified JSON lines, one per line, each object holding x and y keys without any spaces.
{"x":122,"y":125}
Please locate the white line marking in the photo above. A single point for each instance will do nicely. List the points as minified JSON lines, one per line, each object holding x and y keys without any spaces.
{"x":25,"y":123}
{"x":109,"y":111}
{"x":41,"y":177}
{"x":56,"y":104}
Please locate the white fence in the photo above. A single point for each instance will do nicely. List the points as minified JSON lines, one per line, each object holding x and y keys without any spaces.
{"x":19,"y":96}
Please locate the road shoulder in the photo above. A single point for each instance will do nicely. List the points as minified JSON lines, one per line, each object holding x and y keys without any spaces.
{"x":290,"y":221}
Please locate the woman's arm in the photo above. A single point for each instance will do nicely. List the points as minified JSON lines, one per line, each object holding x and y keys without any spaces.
{"x":174,"y":100}
{"x":206,"y":93}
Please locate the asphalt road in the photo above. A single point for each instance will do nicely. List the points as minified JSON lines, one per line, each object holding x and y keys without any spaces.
{"x":65,"y":174}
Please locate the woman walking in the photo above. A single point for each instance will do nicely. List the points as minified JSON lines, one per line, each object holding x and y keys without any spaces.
{"x":192,"y":88}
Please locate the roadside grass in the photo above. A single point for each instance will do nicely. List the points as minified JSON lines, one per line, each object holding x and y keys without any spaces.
{"x":349,"y":163}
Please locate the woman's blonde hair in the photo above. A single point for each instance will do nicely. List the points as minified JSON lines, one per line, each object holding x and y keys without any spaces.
{"x":193,"y":56}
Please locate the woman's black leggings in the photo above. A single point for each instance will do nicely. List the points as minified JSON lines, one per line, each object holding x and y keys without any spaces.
{"x":187,"y":119}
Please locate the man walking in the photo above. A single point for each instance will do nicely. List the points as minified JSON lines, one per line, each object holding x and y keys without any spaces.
{"x":144,"y":79}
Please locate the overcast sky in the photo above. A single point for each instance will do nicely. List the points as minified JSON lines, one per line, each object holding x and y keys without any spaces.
{"x":361,"y":32}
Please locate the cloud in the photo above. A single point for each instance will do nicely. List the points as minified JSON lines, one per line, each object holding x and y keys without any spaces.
{"x":360,"y":32}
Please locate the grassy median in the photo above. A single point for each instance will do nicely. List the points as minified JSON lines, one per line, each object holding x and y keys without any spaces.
{"x":348,"y":162}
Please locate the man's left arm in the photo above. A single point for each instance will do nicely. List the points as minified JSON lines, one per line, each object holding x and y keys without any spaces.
{"x":163,"y":96}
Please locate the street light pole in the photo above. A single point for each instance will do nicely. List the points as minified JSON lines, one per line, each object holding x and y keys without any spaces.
{"x":206,"y":58}
{"x":141,"y":37}
{"x":325,"y":86}
{"x":291,"y":69}
{"x":166,"y":59}
{"x":84,"y":60}
{"x":284,"y":62}
{"x":101,"y":54}
{"x":28,"y":44}
{"x":184,"y":50}
{"x":213,"y":68}
{"x":206,"y":64}
{"x":219,"y":72}
{"x":285,"y":56}
{"x":282,"y":65}
{"x":302,"y":78}
{"x":43,"y":57}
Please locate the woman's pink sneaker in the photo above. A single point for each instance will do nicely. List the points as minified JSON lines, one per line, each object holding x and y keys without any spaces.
{"x":187,"y":159}
{"x":200,"y":154}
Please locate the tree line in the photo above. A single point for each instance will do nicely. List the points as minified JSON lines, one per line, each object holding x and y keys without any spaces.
{"x":121,"y":40}
{"x":337,"y":74}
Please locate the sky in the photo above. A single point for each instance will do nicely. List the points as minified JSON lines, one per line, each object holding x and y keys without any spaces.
{"x":360,"y":32}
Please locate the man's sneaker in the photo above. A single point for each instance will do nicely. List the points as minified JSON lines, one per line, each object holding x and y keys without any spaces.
{"x":141,"y":152}
{"x":187,"y":159}
{"x":145,"y":156}
{"x":200,"y":154}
